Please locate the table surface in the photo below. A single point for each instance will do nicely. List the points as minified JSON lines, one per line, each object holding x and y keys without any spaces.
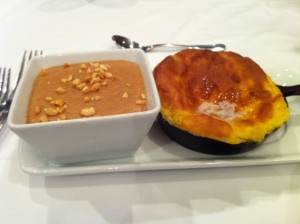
{"x":265,"y":30}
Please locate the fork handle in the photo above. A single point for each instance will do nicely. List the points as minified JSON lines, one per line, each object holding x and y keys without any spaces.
{"x":3,"y":118}
{"x":197,"y":46}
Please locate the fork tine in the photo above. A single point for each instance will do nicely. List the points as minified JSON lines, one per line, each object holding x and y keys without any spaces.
{"x":2,"y":82}
{"x":7,"y":98}
{"x":21,"y":70}
{"x":34,"y":53}
{"x":30,"y":56}
{"x":24,"y":61}
{"x":5,"y":86}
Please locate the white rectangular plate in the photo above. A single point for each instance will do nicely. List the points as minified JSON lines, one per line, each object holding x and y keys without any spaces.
{"x":158,"y":152}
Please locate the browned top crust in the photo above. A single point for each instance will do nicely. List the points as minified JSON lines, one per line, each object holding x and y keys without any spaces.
{"x":220,"y":95}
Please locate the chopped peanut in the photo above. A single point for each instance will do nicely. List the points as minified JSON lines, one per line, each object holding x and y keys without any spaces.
{"x":43,"y":118}
{"x":87,"y":78}
{"x":43,"y":72}
{"x":63,"y":117}
{"x":97,"y":98}
{"x":59,"y":102}
{"x":59,"y":110}
{"x":95,"y":87}
{"x":96,"y":65}
{"x":37,"y":110}
{"x":89,"y":71}
{"x":48,"y":98}
{"x":81,"y":85}
{"x":98,"y":70}
{"x":140,"y":102}
{"x":125,"y":95}
{"x":60,"y":90}
{"x":108,"y":75}
{"x":104,"y":67}
{"x":76,"y":82}
{"x":83,"y":66}
{"x":143,"y":96}
{"x":87,"y":112}
{"x":51,"y":111}
{"x":64,"y":80}
{"x":86,"y":89}
{"x":86,"y":99}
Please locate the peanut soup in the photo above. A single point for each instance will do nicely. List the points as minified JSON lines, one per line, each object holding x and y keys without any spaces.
{"x":91,"y":89}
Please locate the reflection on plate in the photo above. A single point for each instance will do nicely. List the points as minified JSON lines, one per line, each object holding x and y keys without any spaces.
{"x":287,"y":77}
{"x":158,"y":152}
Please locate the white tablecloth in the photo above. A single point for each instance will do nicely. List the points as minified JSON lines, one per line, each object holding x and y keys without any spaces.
{"x":268,"y":31}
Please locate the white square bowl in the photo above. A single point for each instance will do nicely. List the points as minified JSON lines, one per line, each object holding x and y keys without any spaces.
{"x":85,"y":139}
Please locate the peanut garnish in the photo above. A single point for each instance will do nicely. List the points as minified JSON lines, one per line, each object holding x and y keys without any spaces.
{"x":43,"y":72}
{"x":96,"y":98}
{"x":91,"y":84}
{"x":86,"y":89}
{"x":81,"y":85}
{"x":59,"y":110}
{"x":143,"y":96}
{"x":104,"y":67}
{"x":83,"y":66}
{"x":48,"y":98}
{"x":43,"y":118}
{"x":125,"y":95}
{"x":64,"y":80}
{"x":63,"y":117}
{"x":89,"y":71}
{"x":86,"y":99}
{"x":108,"y":75}
{"x":95,"y":87}
{"x":76,"y":82}
{"x":95,"y":65}
{"x":68,"y":79}
{"x":37,"y":110}
{"x":87,"y":78}
{"x":87,"y":112}
{"x":98,"y":70}
{"x":140,"y":102}
{"x":59,"y":102}
{"x":51,"y":111}
{"x":60,"y":90}
{"x":95,"y":79}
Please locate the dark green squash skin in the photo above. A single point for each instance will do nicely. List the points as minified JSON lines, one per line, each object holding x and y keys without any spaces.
{"x":202,"y":144}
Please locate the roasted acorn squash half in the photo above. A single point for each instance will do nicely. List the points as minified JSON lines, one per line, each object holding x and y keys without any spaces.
{"x":217,"y":103}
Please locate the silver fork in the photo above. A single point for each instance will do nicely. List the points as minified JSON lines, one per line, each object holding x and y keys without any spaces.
{"x":6,"y":103}
{"x":4,"y":87}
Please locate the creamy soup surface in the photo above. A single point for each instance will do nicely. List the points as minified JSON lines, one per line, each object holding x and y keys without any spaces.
{"x":91,"y":89}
